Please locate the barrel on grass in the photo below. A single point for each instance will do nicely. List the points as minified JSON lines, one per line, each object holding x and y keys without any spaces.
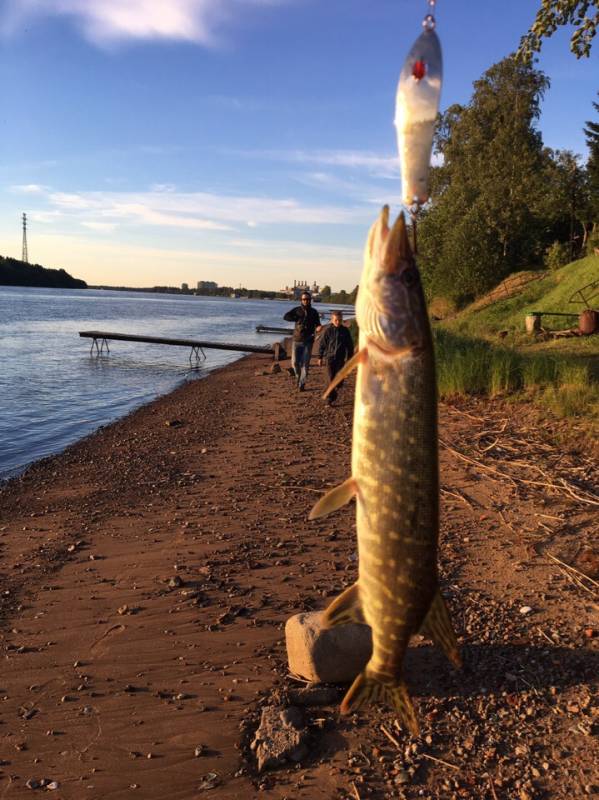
{"x":588,"y":322}
{"x":533,"y":323}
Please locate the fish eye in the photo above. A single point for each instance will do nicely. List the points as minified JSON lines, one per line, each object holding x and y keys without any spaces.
{"x":409,"y":277}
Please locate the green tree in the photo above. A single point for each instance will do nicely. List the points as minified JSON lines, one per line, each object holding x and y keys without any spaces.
{"x":557,"y":255}
{"x":591,"y":132}
{"x":553,"y":14}
{"x":565,"y":204}
{"x":325,"y":294}
{"x":483,"y":222}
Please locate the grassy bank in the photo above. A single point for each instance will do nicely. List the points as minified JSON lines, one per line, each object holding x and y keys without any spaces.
{"x":560,"y":373}
{"x":467,"y":365}
{"x":551,"y":293}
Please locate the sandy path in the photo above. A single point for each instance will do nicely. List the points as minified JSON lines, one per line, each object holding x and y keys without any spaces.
{"x":149,"y":571}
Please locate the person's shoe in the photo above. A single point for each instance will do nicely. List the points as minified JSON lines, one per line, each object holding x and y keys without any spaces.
{"x":301,"y":387}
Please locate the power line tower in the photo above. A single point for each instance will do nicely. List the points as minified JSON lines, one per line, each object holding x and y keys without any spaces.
{"x":25,"y":256}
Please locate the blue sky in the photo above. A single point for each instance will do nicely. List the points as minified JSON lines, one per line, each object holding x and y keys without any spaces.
{"x":243,"y":141}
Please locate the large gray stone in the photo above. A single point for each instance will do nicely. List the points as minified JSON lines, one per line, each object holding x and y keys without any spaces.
{"x":335,"y":655}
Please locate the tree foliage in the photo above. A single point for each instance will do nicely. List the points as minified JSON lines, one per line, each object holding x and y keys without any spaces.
{"x":591,"y":132}
{"x":500,"y":198}
{"x":553,"y":14}
{"x":342,"y":297}
{"x":482,"y":221}
{"x":19,"y":273}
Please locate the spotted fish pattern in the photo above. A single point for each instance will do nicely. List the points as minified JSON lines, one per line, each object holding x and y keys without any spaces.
{"x":394,"y":475}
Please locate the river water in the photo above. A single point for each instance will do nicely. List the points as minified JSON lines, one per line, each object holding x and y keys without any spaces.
{"x":53,"y":391}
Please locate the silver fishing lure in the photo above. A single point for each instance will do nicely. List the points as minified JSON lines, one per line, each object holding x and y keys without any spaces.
{"x":416,"y":107}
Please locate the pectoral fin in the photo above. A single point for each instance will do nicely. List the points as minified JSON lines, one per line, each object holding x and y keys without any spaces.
{"x":344,"y":608}
{"x":359,"y":358}
{"x":334,"y":499}
{"x":437,"y":626}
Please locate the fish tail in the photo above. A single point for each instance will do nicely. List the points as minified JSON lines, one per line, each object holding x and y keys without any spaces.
{"x":369,"y":687}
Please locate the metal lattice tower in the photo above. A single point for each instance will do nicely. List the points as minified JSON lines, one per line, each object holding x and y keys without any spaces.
{"x":25,"y":255}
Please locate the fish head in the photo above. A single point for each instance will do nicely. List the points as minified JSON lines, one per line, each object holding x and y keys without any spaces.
{"x":390,"y":308}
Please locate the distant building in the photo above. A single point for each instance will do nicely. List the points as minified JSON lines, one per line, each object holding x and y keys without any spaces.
{"x":207,"y":285}
{"x":184,"y":287}
{"x":295,"y":292}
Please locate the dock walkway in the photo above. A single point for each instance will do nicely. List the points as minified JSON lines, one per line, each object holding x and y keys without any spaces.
{"x":197,"y":346}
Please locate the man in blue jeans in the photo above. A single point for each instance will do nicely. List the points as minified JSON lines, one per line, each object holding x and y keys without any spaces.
{"x":307,"y":324}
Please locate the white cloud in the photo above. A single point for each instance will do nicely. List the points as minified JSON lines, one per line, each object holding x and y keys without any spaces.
{"x":107,"y":21}
{"x":297,"y":250}
{"x":29,"y":188}
{"x":382,"y":166}
{"x":163,"y":187}
{"x":68,"y":200}
{"x":101,"y":227}
{"x":45,"y":217}
{"x":164,"y":206}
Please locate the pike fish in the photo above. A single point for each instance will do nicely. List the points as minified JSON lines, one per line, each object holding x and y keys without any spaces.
{"x":394,"y":475}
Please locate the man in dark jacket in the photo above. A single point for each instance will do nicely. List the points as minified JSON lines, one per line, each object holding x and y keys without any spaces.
{"x":307,"y":324}
{"x":336,"y":346}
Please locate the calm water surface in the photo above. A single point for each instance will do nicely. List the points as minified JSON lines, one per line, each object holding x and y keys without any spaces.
{"x":53,"y":392}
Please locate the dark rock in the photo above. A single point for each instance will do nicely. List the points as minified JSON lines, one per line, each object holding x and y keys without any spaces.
{"x":281,"y":737}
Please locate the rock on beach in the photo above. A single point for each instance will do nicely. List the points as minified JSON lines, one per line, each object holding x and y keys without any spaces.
{"x":334,"y":655}
{"x":282,"y":736}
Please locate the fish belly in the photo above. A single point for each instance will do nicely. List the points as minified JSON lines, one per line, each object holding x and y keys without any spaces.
{"x":395,"y":464}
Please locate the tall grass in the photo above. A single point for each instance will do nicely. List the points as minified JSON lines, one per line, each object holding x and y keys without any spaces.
{"x":569,"y":385}
{"x":467,"y":365}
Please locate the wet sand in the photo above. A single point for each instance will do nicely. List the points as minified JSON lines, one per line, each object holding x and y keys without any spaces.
{"x":148,"y":571}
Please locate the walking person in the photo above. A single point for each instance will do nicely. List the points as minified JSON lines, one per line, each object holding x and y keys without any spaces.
{"x":307,"y":325}
{"x":336,"y":346}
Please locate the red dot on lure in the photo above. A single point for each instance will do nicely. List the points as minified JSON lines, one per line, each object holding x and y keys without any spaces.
{"x":419,"y":70}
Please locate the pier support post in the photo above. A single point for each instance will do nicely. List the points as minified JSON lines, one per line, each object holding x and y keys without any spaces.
{"x":279,"y":352}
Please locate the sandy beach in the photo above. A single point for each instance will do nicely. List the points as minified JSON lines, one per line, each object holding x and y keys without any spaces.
{"x":148,"y":571}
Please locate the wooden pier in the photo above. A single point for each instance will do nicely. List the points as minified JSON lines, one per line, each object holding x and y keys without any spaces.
{"x":197,"y":346}
{"x":270,"y":329}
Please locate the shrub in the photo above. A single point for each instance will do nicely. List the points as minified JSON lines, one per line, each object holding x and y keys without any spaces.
{"x":442,"y":307}
{"x":593,"y":240}
{"x":557,"y":255}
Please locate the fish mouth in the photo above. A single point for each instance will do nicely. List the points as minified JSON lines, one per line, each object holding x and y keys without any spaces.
{"x":398,"y":251}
